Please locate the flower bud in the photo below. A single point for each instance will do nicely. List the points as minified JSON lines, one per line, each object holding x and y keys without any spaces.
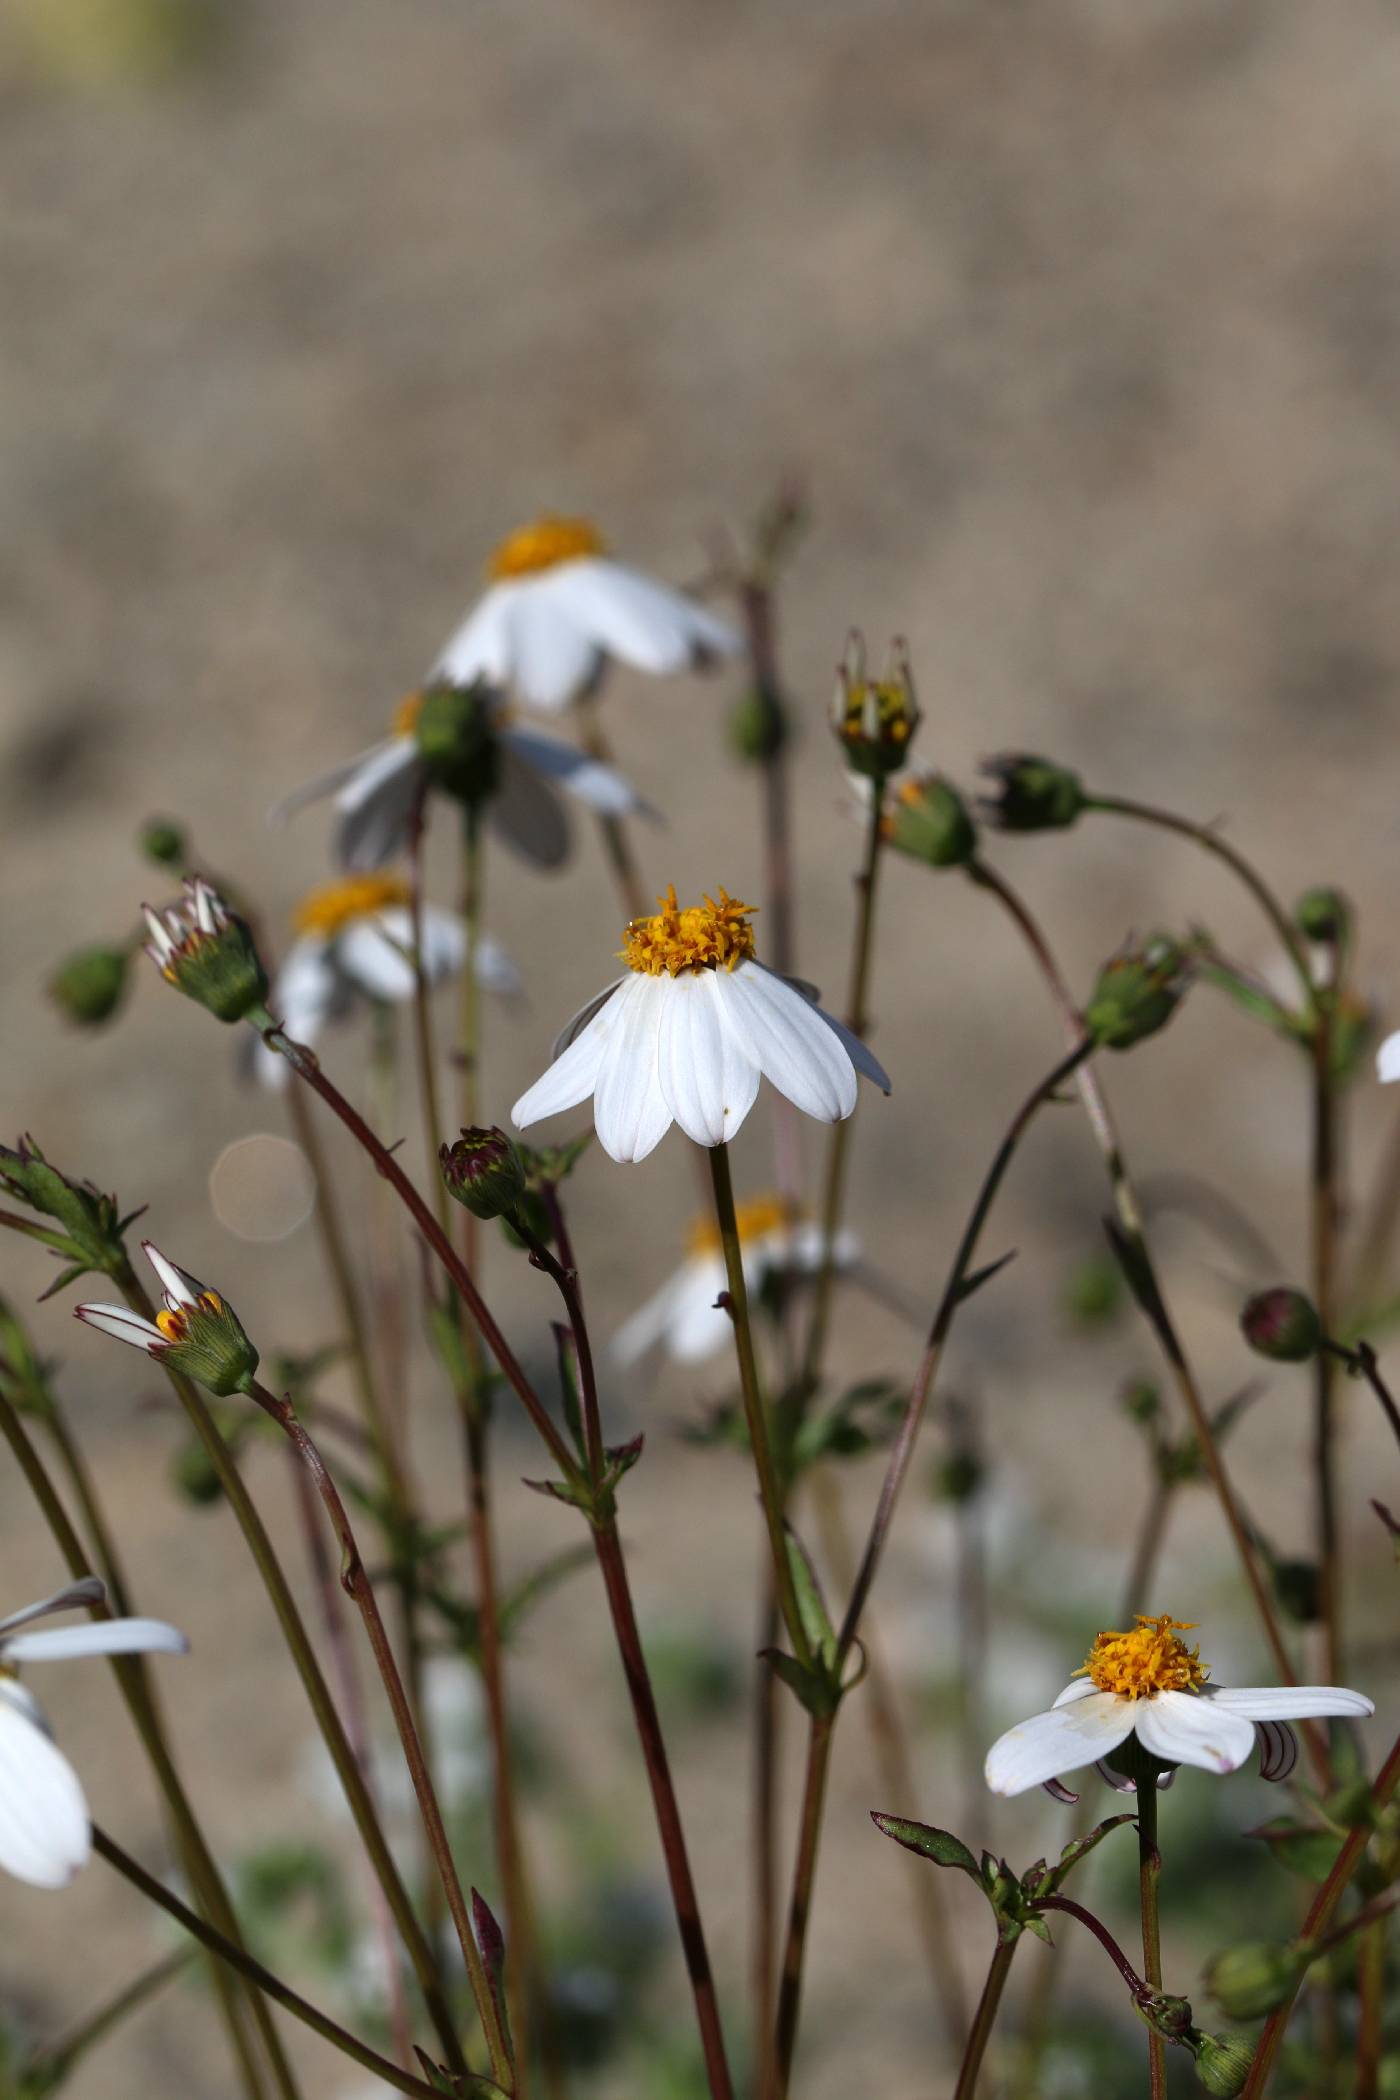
{"x":1323,"y":914}
{"x":1137,"y":993}
{"x":1298,"y":1588}
{"x":757,"y":725}
{"x":1141,"y":1401}
{"x":192,"y":1475}
{"x":1222,"y":2062}
{"x":1249,"y":1980}
{"x":207,"y":1343}
{"x":164,"y":843}
{"x":928,"y":820}
{"x":207,"y":952}
{"x":874,"y":719}
{"x":456,"y":736}
{"x":483,"y":1170}
{"x":1031,"y":794}
{"x":92,"y":1224}
{"x":1282,"y":1324}
{"x":87,"y":986}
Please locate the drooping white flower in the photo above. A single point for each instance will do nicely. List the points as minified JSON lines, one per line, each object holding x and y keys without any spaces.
{"x":45,"y":1833}
{"x":556,"y":609}
{"x":1147,"y":1683}
{"x":686,"y":1033}
{"x":355,"y":941}
{"x":375,"y":794}
{"x":195,"y":1329}
{"x":683,"y":1314}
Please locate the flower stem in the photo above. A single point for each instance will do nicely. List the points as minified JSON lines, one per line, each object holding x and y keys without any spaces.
{"x":360,"y":1589}
{"x":1324,"y":1220}
{"x":270,"y":1985}
{"x":983,"y":2020}
{"x":1362,"y":1360}
{"x":804,"y":1875}
{"x":50,"y":2068}
{"x":1149,"y":1874}
{"x":617,"y":842}
{"x":769,"y":1487}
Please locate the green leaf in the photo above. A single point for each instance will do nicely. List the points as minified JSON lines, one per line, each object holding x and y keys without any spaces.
{"x":1076,"y":1850}
{"x":929,"y":1842}
{"x":566,"y":1352}
{"x":811,"y":1605}
{"x":814,"y":1688}
{"x":1305,"y":1849}
{"x":975,"y":1281}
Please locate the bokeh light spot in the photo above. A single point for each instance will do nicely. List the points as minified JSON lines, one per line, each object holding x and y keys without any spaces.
{"x":262,"y":1187}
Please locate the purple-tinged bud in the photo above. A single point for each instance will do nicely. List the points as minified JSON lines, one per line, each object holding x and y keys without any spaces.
{"x":1283,"y":1325}
{"x":483,"y":1170}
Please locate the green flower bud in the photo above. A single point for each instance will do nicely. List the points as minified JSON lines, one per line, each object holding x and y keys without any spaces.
{"x":87,"y":986}
{"x":1031,"y":794}
{"x":757,"y":726}
{"x":874,"y":719}
{"x":1283,"y":1325}
{"x":92,"y":1226}
{"x":164,"y":843}
{"x":928,"y":820}
{"x":1141,"y":1400}
{"x":193,"y":1476}
{"x":1298,"y":1587}
{"x":207,"y":952}
{"x":483,"y":1170}
{"x":1249,"y":1980}
{"x":1137,"y":993}
{"x":456,"y":734}
{"x":1222,"y":2062}
{"x":195,"y":1331}
{"x":1095,"y":1292}
{"x":1323,"y":914}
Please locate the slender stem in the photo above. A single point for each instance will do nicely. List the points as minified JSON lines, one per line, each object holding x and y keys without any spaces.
{"x":1324,"y":1218}
{"x":271,"y":1986}
{"x":359,"y":1588}
{"x":1362,"y":1360}
{"x":1136,"y":1984}
{"x":617,"y":842}
{"x":1319,"y":1917}
{"x":983,"y":2021}
{"x":1149,"y":1874}
{"x":422,"y":1010}
{"x":804,"y":1875}
{"x":756,"y":1414}
{"x":767,"y":1738}
{"x":1370,"y":2026}
{"x":50,"y":2067}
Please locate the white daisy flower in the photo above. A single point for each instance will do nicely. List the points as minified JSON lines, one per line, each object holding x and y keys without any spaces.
{"x":684,"y":1036}
{"x":556,"y":609}
{"x":374,"y":795}
{"x":355,"y":941}
{"x":196,"y":1330}
{"x":45,"y":1831}
{"x":683,"y":1314}
{"x":1149,"y":1684}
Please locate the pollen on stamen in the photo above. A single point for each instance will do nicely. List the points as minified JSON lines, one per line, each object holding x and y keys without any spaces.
{"x":544,"y":544}
{"x":1151,"y":1658}
{"x":706,"y":936}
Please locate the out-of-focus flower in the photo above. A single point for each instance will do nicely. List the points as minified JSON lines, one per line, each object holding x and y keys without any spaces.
{"x":1147,"y":1683}
{"x":683,"y":1314}
{"x":195,"y":1331}
{"x":355,"y":942}
{"x":686,"y":1033}
{"x":45,"y":1834}
{"x":557,"y":608}
{"x":88,"y":986}
{"x":1030,"y":794}
{"x":206,"y":951}
{"x":874,"y":718}
{"x":461,"y":738}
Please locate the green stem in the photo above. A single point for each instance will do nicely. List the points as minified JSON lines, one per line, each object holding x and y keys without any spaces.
{"x":270,"y":1985}
{"x":804,"y":1874}
{"x":1149,"y":1874}
{"x":1324,"y":1220}
{"x":770,"y":1490}
{"x":984,"y":2019}
{"x":51,"y":2067}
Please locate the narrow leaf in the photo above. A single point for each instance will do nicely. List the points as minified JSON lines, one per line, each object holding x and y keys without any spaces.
{"x":940,"y":1846}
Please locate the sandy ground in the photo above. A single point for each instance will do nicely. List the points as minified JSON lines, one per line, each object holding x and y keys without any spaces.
{"x":1081,"y":325}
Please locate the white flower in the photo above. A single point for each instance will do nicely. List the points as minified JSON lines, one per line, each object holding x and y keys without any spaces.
{"x":1149,"y":1684}
{"x":375,"y":794}
{"x":195,"y":1329}
{"x":1388,"y":1059}
{"x":356,"y":941}
{"x":683,"y":1313}
{"x":685,"y":1036}
{"x":556,"y":609}
{"x":45,"y":1833}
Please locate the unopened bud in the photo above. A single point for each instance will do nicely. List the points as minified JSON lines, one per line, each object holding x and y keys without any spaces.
{"x":87,"y":986}
{"x":483,"y":1171}
{"x":874,"y":719}
{"x":1137,"y":993}
{"x":193,"y":1475}
{"x":758,"y":725}
{"x":1223,"y":2062}
{"x":1323,"y":914}
{"x":164,"y":843}
{"x":928,"y":820}
{"x":1031,"y":794}
{"x":456,"y":735}
{"x":1298,"y":1587}
{"x":207,"y":952}
{"x":1249,"y":1980}
{"x":1283,"y":1325}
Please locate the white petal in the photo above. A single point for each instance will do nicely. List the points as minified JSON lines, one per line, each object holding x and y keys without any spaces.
{"x":122,"y":1325}
{"x":630,"y":1112}
{"x":373,"y":957}
{"x":1193,"y":1731}
{"x":304,"y":993}
{"x":1059,"y":1741}
{"x":525,"y":812}
{"x":102,"y":1637}
{"x":553,"y":660}
{"x":1285,"y":1702}
{"x":650,"y":1323}
{"x":45,"y":1836}
{"x":480,"y":647}
{"x":573,"y":1028}
{"x":601,"y":787}
{"x":178,"y":1285}
{"x":641,"y":622}
{"x":699,"y":1327}
{"x":495,"y":971}
{"x":708,"y":1081}
{"x":78,"y":1594}
{"x":860,"y":1054}
{"x":789,"y":1042}
{"x":572,"y":1076}
{"x":161,"y":947}
{"x":374,"y":805}
{"x":1077,"y":1688}
{"x":804,"y":1249}
{"x":1388,"y":1058}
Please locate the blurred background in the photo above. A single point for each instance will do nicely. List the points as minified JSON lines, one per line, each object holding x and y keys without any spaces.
{"x":1081,"y":328}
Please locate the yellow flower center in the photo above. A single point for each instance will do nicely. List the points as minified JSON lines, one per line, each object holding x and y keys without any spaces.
{"x":175,"y":1325}
{"x":404,"y":720}
{"x":755,"y":1219}
{"x":877,"y":707}
{"x":329,"y":910}
{"x":1149,"y":1659}
{"x":706,"y":936}
{"x":543,"y":545}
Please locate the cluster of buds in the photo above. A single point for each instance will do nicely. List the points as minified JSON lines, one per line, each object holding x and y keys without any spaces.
{"x":483,"y":1170}
{"x":874,"y":719}
{"x":1031,"y":794}
{"x":1137,"y":993}
{"x":207,"y":952}
{"x":927,"y":819}
{"x":194,"y":1332}
{"x":88,"y":1224}
{"x":455,"y":730}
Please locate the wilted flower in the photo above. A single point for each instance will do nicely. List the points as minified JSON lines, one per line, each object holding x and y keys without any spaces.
{"x":557,"y":608}
{"x":194,"y":1332}
{"x":874,"y":718}
{"x":686,"y":1035}
{"x":206,"y":952}
{"x":1147,"y":1683}
{"x":45,"y":1834}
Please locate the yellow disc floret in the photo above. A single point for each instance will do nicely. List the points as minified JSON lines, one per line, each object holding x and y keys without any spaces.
{"x":706,"y":936}
{"x":1149,"y":1659}
{"x":405,"y":717}
{"x":327,"y":911}
{"x":543,"y":545}
{"x":755,"y":1219}
{"x":174,"y":1323}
